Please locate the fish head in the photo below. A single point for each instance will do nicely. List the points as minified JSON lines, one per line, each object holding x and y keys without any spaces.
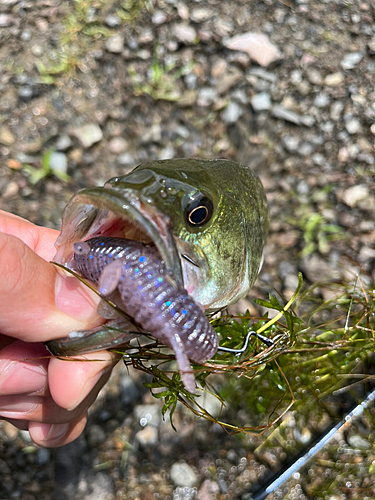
{"x":207,"y":218}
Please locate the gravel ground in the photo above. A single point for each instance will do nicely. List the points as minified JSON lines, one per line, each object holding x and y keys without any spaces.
{"x":89,"y":89}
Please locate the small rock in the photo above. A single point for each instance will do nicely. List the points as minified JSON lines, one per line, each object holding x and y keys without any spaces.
{"x":11,"y":190}
{"x":353,"y":195}
{"x":37,"y":50}
{"x":371,"y":46}
{"x":147,"y":436}
{"x":115,"y":44}
{"x":182,"y":475}
{"x":208,"y":491}
{"x":153,"y":134}
{"x":261,"y":102}
{"x":257,"y":45}
{"x":314,"y":76}
{"x":334,"y":79}
{"x":351,"y":60}
{"x":336,"y":110}
{"x":88,"y":134}
{"x":268,"y":76}
{"x":356,"y":441}
{"x":285,"y":114}
{"x":201,"y":14}
{"x":101,"y":487}
{"x":9,"y":430}
{"x":167,"y":153}
{"x":185,"y":33}
{"x":126,"y":159}
{"x":228,"y":81}
{"x":290,"y":143}
{"x":58,"y":162}
{"x":206,"y":96}
{"x":118,"y":145}
{"x":353,"y":125}
{"x":159,"y":17}
{"x":26,"y":35}
{"x":318,"y":269}
{"x":95,"y":435}
{"x":321,"y":100}
{"x":6,"y":137}
{"x":112,"y":20}
{"x":43,"y":456}
{"x":6,"y":20}
{"x":63,"y":143}
{"x":231,"y":113}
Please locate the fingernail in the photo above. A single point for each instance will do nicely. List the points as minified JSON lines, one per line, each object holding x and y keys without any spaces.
{"x":75,"y":299}
{"x":53,"y":432}
{"x":21,"y":378}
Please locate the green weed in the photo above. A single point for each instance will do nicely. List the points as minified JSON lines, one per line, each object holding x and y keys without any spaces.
{"x":45,"y":170}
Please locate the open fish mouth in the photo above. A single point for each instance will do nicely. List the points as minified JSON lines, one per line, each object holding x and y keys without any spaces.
{"x":104,"y":211}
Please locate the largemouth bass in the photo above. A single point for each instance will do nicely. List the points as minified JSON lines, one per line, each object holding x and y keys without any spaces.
{"x":207,"y":219}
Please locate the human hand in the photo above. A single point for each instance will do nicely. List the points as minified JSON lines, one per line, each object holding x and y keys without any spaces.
{"x":46,"y":395}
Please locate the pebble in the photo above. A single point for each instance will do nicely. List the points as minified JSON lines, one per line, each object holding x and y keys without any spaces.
{"x":159,"y":17}
{"x":6,"y":137}
{"x":353,"y":125}
{"x":11,"y":190}
{"x":58,"y":162}
{"x":321,"y":100}
{"x":63,"y":143}
{"x":263,"y":74}
{"x":115,"y":44}
{"x":43,"y":456}
{"x":290,"y":143}
{"x":353,"y":195}
{"x":336,"y":110}
{"x":112,"y":21}
{"x":314,"y":76}
{"x":153,"y":134}
{"x":351,"y":60}
{"x":182,"y":475}
{"x":100,"y":487}
{"x":231,"y":113}
{"x":185,"y":33}
{"x":257,"y":45}
{"x":6,"y":20}
{"x":261,"y":102}
{"x":126,"y":159}
{"x":206,"y":96}
{"x":227,"y":81}
{"x":356,"y":441}
{"x":371,"y":46}
{"x":167,"y":153}
{"x":147,"y":436}
{"x":95,"y":435}
{"x":88,"y":134}
{"x":282,"y":113}
{"x":200,"y":14}
{"x":334,"y":79}
{"x":118,"y":145}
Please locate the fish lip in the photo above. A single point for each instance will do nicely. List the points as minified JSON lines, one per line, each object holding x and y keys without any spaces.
{"x":126,"y":205}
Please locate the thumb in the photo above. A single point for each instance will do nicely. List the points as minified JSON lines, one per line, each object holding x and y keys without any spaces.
{"x":37,"y":303}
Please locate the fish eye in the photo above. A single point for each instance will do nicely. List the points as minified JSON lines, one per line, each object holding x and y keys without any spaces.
{"x":199,"y":210}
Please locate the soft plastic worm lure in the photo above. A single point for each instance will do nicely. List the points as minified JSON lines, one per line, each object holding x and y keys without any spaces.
{"x":150,"y":295}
